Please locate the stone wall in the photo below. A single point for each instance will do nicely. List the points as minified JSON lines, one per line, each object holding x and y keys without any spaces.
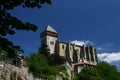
{"x":11,"y":72}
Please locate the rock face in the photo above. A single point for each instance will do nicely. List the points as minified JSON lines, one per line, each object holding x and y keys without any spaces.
{"x":11,"y":72}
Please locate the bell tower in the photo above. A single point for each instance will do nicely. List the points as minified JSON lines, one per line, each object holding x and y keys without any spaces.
{"x":49,"y":37}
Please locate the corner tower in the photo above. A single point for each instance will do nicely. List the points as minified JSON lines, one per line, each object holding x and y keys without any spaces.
{"x":49,"y":37}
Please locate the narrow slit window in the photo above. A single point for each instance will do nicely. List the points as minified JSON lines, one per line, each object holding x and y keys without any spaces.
{"x":62,"y":46}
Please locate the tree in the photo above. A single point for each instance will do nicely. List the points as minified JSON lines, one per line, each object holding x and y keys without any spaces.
{"x":41,"y":65}
{"x":89,"y":73}
{"x":44,"y":50}
{"x":9,"y":24}
{"x":108,"y":72}
{"x":40,"y":68}
{"x":103,"y":71}
{"x":75,"y":77}
{"x":37,"y":64}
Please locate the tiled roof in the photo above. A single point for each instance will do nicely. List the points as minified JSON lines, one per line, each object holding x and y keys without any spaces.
{"x":82,"y":63}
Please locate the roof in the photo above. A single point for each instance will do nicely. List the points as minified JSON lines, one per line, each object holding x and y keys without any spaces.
{"x":82,"y":63}
{"x":49,"y":28}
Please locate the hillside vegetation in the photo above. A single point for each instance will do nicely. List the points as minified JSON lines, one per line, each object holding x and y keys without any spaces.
{"x":103,"y":71}
{"x":42,"y":64}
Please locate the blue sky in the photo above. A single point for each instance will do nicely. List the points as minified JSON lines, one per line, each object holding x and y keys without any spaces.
{"x":96,"y":21}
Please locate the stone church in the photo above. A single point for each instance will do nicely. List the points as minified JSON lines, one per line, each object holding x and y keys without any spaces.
{"x":74,"y":57}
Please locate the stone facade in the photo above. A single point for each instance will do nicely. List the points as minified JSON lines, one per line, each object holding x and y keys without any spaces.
{"x":75,"y":57}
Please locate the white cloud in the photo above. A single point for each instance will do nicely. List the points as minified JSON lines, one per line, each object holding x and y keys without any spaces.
{"x":105,"y":47}
{"x":99,"y":48}
{"x":109,"y":57}
{"x":81,"y":43}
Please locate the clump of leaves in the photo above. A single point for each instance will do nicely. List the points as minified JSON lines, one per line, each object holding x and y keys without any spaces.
{"x":9,"y":24}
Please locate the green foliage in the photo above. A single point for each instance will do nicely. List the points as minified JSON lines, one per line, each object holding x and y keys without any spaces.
{"x":103,"y":71}
{"x":44,"y":50}
{"x":39,"y":66}
{"x":75,"y":77}
{"x":108,"y":72}
{"x":3,"y":56}
{"x":9,"y":48}
{"x":89,"y":73}
{"x":51,"y":77}
{"x":9,"y":24}
{"x":53,"y":60}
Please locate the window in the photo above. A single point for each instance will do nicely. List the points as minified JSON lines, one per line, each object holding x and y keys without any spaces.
{"x":51,"y":43}
{"x":62,"y":46}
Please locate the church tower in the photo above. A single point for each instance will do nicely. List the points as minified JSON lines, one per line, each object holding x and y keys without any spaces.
{"x":49,"y":37}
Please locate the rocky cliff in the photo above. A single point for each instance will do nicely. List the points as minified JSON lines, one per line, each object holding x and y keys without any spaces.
{"x":11,"y":72}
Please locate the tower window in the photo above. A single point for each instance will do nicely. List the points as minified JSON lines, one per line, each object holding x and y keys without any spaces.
{"x":62,"y":46}
{"x":51,"y":43}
